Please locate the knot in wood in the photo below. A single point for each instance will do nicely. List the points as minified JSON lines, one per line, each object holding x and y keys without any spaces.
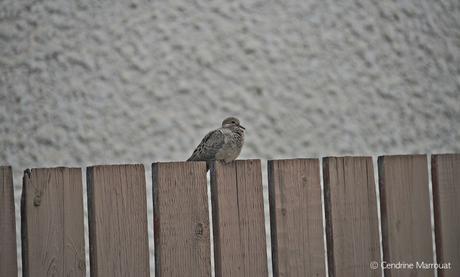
{"x":199,"y":229}
{"x":304,"y":181}
{"x":37,"y":200}
{"x":81,"y":264}
{"x":283,"y":211}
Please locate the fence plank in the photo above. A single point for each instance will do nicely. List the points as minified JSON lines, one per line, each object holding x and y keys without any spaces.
{"x":8,"y":263}
{"x":117,"y":208}
{"x":52,"y":222}
{"x":238,"y":218}
{"x":181,"y":219}
{"x":405,"y":207}
{"x":352,"y":233}
{"x":446,"y":198}
{"x":296,"y":217}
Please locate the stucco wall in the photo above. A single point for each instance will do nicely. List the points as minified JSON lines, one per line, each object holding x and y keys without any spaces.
{"x":91,"y":82}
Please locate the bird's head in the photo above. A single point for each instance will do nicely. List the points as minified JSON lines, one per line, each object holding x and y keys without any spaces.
{"x":232,"y":122}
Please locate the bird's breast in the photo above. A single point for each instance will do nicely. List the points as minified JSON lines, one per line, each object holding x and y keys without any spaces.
{"x":231,"y":148}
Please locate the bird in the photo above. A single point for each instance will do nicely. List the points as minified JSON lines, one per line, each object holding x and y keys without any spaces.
{"x":224,"y":143}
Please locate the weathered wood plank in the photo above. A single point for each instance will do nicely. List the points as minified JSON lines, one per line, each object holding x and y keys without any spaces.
{"x":405,"y":207}
{"x":181,"y":219}
{"x":8,"y":263}
{"x":238,"y":218}
{"x":296,"y":218}
{"x":52,"y":222}
{"x":117,"y":209}
{"x":352,"y":233}
{"x":446,"y":197}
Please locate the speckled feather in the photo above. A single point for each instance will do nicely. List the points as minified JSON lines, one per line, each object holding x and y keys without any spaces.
{"x":209,"y":146}
{"x":224,"y":143}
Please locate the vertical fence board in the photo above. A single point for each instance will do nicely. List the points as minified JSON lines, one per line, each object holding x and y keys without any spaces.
{"x":181,"y":219}
{"x":8,"y":263}
{"x":117,"y":208}
{"x":238,"y":218}
{"x":52,"y":222}
{"x":446,"y":198}
{"x":296,"y":218}
{"x":352,"y":233}
{"x":406,"y":223}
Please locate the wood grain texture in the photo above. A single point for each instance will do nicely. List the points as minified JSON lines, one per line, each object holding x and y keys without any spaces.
{"x":238,"y":218}
{"x":8,"y":263}
{"x":181,"y":219}
{"x":446,"y":201}
{"x":117,"y":209}
{"x":352,"y":232}
{"x":296,"y":218}
{"x":52,"y":222}
{"x":405,"y":208}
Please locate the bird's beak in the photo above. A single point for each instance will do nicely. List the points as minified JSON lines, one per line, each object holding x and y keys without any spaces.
{"x":242,"y":127}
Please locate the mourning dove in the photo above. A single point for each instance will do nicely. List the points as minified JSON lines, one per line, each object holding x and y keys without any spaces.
{"x":224,"y":143}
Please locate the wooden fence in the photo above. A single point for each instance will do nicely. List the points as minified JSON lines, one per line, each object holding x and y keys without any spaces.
{"x":53,"y":235}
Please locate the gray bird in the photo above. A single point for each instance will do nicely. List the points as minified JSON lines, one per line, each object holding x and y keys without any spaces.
{"x":224,"y":143}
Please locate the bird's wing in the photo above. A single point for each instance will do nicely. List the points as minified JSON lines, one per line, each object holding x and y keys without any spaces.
{"x":208,"y":146}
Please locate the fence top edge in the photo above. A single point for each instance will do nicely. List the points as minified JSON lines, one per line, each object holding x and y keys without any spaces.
{"x":240,"y":160}
{"x":293,"y":159}
{"x":402,"y":156}
{"x":348,"y":157}
{"x":115,"y":165}
{"x":185,"y":162}
{"x":176,"y":162}
{"x":379,"y":157}
{"x":446,"y":155}
{"x":50,"y":168}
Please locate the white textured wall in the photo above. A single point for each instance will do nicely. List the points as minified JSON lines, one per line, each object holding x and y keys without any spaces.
{"x":90,"y":82}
